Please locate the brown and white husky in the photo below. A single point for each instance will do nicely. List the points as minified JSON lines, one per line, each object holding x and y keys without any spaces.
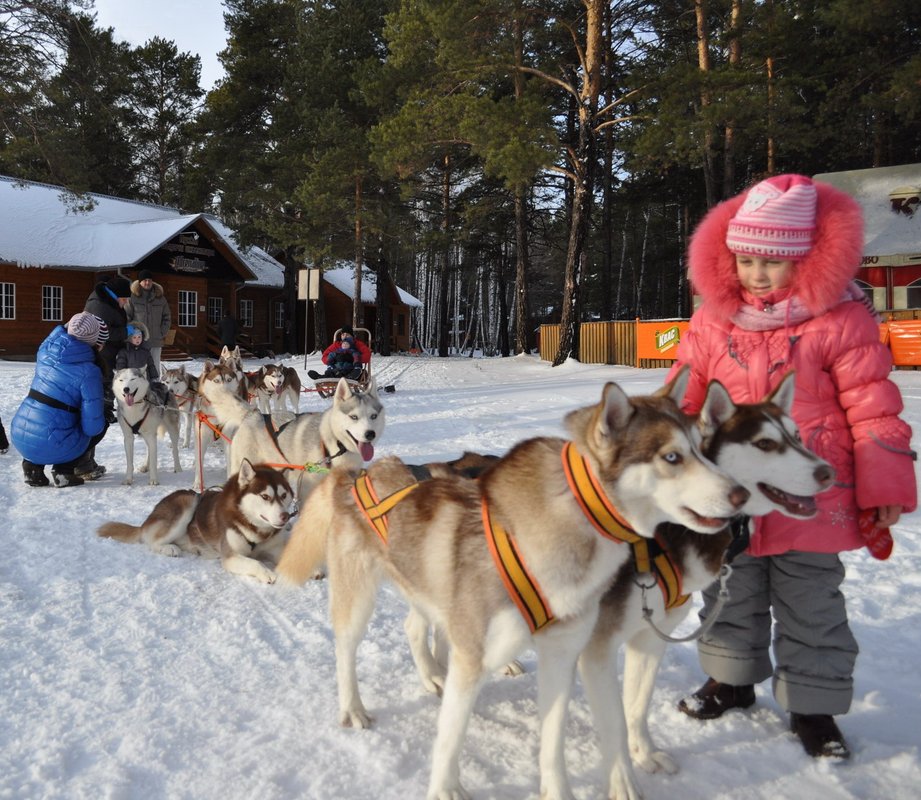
{"x":238,"y":523}
{"x":518,"y":558}
{"x":759,"y":445}
{"x":184,"y":387}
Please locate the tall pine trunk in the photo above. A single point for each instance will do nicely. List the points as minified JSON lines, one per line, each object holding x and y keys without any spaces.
{"x":583,"y":183}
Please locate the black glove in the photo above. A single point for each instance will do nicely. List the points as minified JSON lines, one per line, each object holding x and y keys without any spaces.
{"x":109,"y":414}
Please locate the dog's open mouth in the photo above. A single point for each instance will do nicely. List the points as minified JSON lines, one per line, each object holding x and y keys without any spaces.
{"x":715,"y":523}
{"x":793,"y":504}
{"x":129,"y":397}
{"x":365,"y":449}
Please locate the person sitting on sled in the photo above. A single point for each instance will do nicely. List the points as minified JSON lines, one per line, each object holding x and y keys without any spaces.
{"x":344,"y":362}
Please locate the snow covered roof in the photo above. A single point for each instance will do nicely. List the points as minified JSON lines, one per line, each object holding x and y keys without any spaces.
{"x":343,"y":279}
{"x":42,"y":226}
{"x":889,"y":197}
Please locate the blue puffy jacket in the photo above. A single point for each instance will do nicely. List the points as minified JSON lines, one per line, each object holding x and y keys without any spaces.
{"x":65,"y":370}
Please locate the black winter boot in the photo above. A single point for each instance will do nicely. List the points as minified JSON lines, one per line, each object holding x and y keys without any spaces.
{"x":64,"y":479}
{"x":87,"y":468}
{"x":819,"y":736}
{"x":34,"y":474}
{"x":714,"y":699}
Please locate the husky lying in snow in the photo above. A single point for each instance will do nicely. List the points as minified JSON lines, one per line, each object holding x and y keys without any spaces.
{"x":238,"y":523}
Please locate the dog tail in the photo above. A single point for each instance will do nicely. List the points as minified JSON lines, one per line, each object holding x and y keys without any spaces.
{"x":305,"y":551}
{"x":120,"y":531}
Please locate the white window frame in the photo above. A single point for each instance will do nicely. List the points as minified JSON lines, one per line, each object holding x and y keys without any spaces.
{"x":279,"y":315}
{"x":188,"y":309}
{"x":215,"y":310}
{"x":52,"y":303}
{"x":246,"y":313}
{"x":7,"y":301}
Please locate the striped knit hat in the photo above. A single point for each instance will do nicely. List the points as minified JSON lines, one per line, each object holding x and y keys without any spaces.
{"x":777,"y":219}
{"x":88,"y":328}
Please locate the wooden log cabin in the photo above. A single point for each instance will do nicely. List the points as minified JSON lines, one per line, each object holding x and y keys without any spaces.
{"x":54,"y":249}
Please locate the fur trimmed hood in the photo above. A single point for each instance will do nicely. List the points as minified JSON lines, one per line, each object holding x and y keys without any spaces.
{"x":137,"y":289}
{"x":821,"y":276}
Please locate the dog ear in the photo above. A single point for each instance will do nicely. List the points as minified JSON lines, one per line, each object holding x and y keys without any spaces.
{"x":717,"y":408}
{"x":247,"y":473}
{"x":677,"y":386}
{"x":782,"y":396}
{"x":343,"y":390}
{"x":615,"y":410}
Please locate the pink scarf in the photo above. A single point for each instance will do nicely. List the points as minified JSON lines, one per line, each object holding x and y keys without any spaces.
{"x":780,"y":309}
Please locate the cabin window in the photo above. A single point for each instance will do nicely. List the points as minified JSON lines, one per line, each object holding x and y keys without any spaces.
{"x":246,"y":313}
{"x":279,"y":315}
{"x":7,"y":301}
{"x":52,"y":303}
{"x":188,"y":309}
{"x":215,"y":309}
{"x":912,"y":295}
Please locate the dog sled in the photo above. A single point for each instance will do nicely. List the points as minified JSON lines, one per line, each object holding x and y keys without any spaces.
{"x":326,"y":386}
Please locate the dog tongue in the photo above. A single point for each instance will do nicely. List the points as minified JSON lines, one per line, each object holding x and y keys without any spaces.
{"x":366,"y":449}
{"x":129,"y":399}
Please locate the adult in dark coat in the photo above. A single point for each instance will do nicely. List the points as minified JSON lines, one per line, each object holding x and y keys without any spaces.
{"x":107,"y":301}
{"x":148,"y":306}
{"x":62,"y":419}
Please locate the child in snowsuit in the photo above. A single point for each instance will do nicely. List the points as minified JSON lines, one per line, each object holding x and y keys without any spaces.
{"x":136,"y":355}
{"x":774,"y":267}
{"x":344,"y":359}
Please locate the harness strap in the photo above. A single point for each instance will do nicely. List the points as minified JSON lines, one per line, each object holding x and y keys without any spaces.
{"x":649,"y":556}
{"x":372,"y":508}
{"x":205,"y":419}
{"x":136,"y":428}
{"x":520,"y":585}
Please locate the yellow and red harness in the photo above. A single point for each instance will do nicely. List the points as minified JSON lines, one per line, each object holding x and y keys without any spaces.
{"x":649,"y":555}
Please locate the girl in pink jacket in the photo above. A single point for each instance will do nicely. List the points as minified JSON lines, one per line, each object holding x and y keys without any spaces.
{"x":774,"y":267}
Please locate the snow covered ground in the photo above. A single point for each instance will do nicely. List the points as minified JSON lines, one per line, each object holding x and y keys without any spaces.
{"x":126,"y":675}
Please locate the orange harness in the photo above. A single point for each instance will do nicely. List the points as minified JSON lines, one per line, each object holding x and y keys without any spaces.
{"x":649,"y":555}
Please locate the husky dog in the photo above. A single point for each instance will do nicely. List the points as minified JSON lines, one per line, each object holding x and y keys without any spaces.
{"x":139,"y":414}
{"x":238,"y":523}
{"x":208,"y":427}
{"x":184,"y":387}
{"x":642,"y":456}
{"x":343,"y":436}
{"x":282,"y":385}
{"x":759,"y":445}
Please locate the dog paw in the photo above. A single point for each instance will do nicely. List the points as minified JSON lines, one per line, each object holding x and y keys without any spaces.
{"x":171,"y":550}
{"x":142,"y":468}
{"x":655,"y":761}
{"x":127,"y":481}
{"x":153,"y":482}
{"x":623,"y":784}
{"x":355,"y":718}
{"x":319,"y":575}
{"x":513,"y":669}
{"x":434,"y":684}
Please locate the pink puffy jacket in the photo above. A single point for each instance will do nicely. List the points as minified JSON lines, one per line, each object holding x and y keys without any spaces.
{"x":845,"y":405}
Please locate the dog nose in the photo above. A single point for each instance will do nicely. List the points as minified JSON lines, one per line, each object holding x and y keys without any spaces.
{"x":738,"y":496}
{"x":369,"y":435}
{"x":824,"y":474}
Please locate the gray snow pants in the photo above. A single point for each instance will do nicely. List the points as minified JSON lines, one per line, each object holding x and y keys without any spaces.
{"x":814,"y":648}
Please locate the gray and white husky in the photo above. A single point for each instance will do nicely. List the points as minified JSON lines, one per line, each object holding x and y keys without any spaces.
{"x":642,"y":457}
{"x":341,"y":437}
{"x":140,"y":414}
{"x":184,"y":387}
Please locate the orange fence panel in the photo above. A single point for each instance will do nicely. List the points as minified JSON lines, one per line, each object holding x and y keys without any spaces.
{"x":659,"y":339}
{"x":905,"y":342}
{"x":884,"y":333}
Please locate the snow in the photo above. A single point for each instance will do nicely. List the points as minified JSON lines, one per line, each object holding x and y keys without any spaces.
{"x":130,"y":675}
